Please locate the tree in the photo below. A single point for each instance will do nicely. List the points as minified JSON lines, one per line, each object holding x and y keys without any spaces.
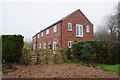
{"x":119,"y":21}
{"x":110,"y":28}
{"x":111,"y":23}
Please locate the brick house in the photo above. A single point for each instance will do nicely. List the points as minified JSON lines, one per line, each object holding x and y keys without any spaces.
{"x":62,"y":33}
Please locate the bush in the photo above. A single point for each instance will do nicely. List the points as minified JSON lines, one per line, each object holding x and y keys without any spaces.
{"x":86,"y":52}
{"x":55,"y":56}
{"x":68,"y":53}
{"x":104,"y":52}
{"x":47,"y":53}
{"x":12,"y":47}
{"x":62,"y":54}
{"x":26,"y":56}
{"x":38,"y":57}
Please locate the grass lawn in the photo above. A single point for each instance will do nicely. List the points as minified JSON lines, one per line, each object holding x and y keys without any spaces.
{"x":110,"y":68}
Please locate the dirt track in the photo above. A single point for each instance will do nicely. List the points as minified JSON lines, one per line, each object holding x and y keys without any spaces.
{"x":63,"y":70}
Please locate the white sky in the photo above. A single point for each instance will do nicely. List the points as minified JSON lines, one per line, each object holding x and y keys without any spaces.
{"x":28,"y":17}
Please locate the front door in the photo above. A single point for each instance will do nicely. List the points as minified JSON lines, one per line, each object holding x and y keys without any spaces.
{"x":54,"y":46}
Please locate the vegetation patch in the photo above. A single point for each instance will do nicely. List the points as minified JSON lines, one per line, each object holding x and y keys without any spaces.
{"x":7,"y":68}
{"x":110,"y":68}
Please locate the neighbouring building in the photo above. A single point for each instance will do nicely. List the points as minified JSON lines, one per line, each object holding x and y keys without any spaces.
{"x":64,"y":32}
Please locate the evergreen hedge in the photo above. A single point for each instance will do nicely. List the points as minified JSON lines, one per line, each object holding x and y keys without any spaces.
{"x":104,"y":52}
{"x":12,"y":47}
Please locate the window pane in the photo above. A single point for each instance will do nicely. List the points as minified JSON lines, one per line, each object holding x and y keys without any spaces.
{"x":77,"y":30}
{"x":55,"y":29}
{"x":87,"y":28}
{"x":80,"y":30}
{"x":69,"y":26}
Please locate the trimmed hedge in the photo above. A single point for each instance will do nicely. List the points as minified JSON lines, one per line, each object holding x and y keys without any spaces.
{"x":12,"y":47}
{"x":103,"y":52}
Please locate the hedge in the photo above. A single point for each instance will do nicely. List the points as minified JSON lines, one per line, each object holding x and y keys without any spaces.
{"x":104,"y":52}
{"x":12,"y":47}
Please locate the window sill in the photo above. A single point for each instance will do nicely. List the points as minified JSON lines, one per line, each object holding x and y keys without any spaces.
{"x":54,"y":32}
{"x":78,"y":36}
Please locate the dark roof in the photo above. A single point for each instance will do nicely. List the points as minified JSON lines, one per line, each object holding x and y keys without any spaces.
{"x":60,"y":20}
{"x":57,"y":22}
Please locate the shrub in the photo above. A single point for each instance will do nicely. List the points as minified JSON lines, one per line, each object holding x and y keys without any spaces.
{"x":26,"y":56}
{"x":62,"y":54}
{"x":55,"y":56}
{"x":12,"y":47}
{"x":38,"y":57}
{"x":104,"y":52}
{"x":68,"y":53}
{"x":86,"y":52}
{"x":47,"y":53}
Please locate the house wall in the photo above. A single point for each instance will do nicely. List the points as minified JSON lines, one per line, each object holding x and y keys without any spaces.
{"x":50,"y":38}
{"x":76,"y":18}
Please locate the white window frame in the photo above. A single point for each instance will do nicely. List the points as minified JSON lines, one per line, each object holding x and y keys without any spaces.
{"x":42,"y":34}
{"x":79,"y":27}
{"x":69,"y":27}
{"x":87,"y":29}
{"x":44,"y":45}
{"x":55,"y":29}
{"x":40,"y":45}
{"x":38,"y":35}
{"x":54,"y":47}
{"x":69,"y":46}
{"x":47,"y":31}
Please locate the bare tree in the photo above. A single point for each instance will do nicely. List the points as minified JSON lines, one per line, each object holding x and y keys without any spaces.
{"x":119,"y":21}
{"x":111,"y":23}
{"x":109,"y":30}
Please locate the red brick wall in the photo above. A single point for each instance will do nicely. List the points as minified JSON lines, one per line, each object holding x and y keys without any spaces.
{"x":51,"y":37}
{"x":76,"y":18}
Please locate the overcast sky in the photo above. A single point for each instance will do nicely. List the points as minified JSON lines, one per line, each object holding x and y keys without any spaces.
{"x":28,"y":17}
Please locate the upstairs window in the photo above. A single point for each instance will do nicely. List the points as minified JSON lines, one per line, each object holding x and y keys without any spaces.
{"x":38,"y":35}
{"x":44,"y":45}
{"x":42,"y":34}
{"x":79,"y":30}
{"x":69,"y":27}
{"x":40,"y":45}
{"x":70,"y":44}
{"x":87,"y":29}
{"x":47,"y":31}
{"x":55,"y":29}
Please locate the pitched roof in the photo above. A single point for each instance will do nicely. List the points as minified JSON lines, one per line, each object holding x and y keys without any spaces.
{"x":60,"y":20}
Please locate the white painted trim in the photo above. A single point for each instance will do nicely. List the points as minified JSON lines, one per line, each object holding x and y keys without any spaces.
{"x":79,"y":30}
{"x":70,"y":44}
